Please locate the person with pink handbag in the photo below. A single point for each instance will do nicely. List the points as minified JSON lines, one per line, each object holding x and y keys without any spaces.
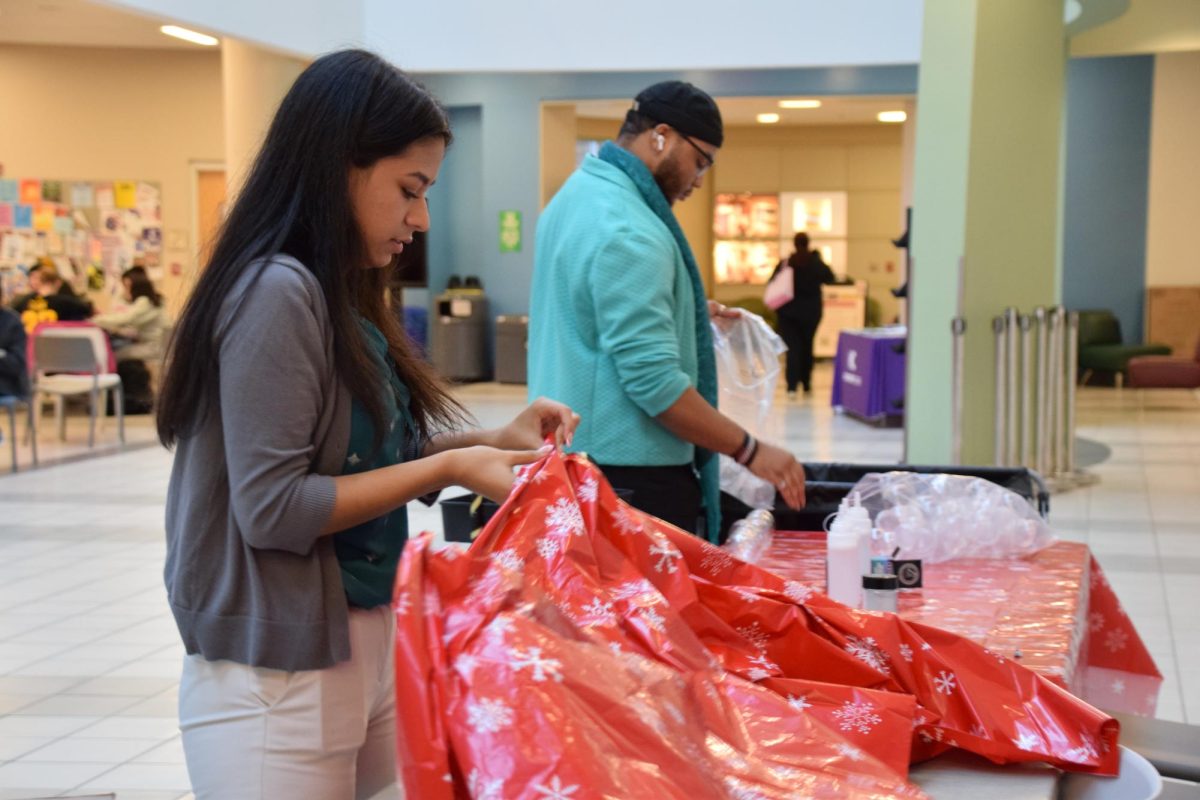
{"x":799,"y":306}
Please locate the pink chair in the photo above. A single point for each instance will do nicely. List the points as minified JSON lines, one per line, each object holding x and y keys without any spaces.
{"x":1165,"y":372}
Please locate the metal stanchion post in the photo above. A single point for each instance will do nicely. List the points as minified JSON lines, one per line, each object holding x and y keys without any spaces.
{"x":1078,"y":476}
{"x":958,"y":327}
{"x":1057,"y":345}
{"x":1042,"y":443}
{"x":1027,"y":457}
{"x":1012,"y":449}
{"x":1001,"y":417}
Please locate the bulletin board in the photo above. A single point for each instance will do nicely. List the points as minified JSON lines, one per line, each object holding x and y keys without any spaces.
{"x":92,"y":230}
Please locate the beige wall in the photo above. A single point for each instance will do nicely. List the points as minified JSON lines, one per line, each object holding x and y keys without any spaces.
{"x":1172,"y":257}
{"x":76,"y":113}
{"x":862,"y":160}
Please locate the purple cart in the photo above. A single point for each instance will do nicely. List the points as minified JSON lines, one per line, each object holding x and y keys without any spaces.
{"x":868,"y":374}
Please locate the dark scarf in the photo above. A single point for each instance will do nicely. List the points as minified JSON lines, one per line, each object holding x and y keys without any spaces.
{"x":706,"y":383}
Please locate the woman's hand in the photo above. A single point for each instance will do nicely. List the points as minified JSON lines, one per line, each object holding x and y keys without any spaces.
{"x":487,"y":470}
{"x":540,"y":419}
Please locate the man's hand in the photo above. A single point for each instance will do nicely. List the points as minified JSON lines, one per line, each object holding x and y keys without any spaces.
{"x":718,"y":311}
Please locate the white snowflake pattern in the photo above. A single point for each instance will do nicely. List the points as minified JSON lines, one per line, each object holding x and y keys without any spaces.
{"x":944,"y":682}
{"x":1028,"y":742}
{"x":787,"y":774}
{"x":757,"y":636}
{"x":539,"y":666}
{"x":488,"y":716}
{"x":763,"y":668}
{"x":799,"y":702}
{"x":639,"y":592}
{"x":482,"y":788}
{"x":798,"y":592}
{"x":739,"y":790}
{"x":403,"y":605}
{"x":589,"y":489}
{"x":498,"y":627}
{"x":547,"y":547}
{"x":1095,"y":621}
{"x":625,"y":522}
{"x":555,"y":790}
{"x":1118,"y":686}
{"x":866,"y":651}
{"x":654,"y":619}
{"x":564,"y":518}
{"x":508,"y":560}
{"x":568,"y":611}
{"x":979,"y":731}
{"x":666,"y":553}
{"x":748,"y":595}
{"x":1085,"y":752}
{"x":926,"y":646}
{"x":850,"y":751}
{"x":647,"y":713}
{"x":466,"y":664}
{"x":857,"y":716}
{"x":1116,"y":640}
{"x":715,"y":560}
{"x":906,"y":652}
{"x":600,"y":609}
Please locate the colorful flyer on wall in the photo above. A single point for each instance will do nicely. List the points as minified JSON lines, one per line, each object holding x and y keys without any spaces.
{"x":43,"y":217}
{"x":105,"y":201}
{"x":23,"y":216}
{"x":82,"y":195}
{"x":6,"y":215}
{"x":152,"y":236}
{"x":52,"y":191}
{"x":64,"y":225}
{"x":10,"y":248}
{"x":148,"y":201}
{"x":31,"y":191}
{"x":9,"y":192}
{"x":125,"y":194}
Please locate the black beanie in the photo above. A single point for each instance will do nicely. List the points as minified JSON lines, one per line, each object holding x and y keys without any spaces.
{"x":684,"y":107}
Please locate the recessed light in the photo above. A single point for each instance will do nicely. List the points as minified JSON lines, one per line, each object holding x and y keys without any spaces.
{"x":767,"y":119}
{"x":799,"y":103}
{"x":891,"y":116}
{"x":189,"y":36}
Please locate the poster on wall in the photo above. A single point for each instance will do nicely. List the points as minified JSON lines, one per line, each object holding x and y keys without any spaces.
{"x":31,"y":192}
{"x":9,"y":193}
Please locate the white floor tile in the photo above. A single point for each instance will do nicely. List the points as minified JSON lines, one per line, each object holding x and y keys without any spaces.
{"x":58,"y":777}
{"x":158,"y":777}
{"x":92,"y":751}
{"x":160,"y":728}
{"x":169,"y":753}
{"x":12,"y":747}
{"x":48,"y":726}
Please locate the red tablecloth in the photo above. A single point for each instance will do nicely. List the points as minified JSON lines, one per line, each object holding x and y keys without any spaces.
{"x":1054,"y":610}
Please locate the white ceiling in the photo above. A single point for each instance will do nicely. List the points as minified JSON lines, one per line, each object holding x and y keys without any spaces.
{"x":743,"y":110}
{"x":81,"y":23}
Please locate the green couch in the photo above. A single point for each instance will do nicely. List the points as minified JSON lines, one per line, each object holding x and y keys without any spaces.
{"x":1101,"y":350}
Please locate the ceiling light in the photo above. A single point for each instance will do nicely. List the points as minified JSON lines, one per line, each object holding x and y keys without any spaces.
{"x":767,"y":119}
{"x":189,"y":36}
{"x":891,"y":116}
{"x":799,"y":103}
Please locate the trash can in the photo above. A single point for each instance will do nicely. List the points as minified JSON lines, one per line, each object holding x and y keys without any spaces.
{"x":512,"y":345}
{"x":459,"y":335}
{"x":828,"y":483}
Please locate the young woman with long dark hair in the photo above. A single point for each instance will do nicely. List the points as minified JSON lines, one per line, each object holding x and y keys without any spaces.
{"x":303,"y":422}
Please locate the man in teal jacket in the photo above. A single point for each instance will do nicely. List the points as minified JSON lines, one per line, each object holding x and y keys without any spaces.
{"x":619,"y":323}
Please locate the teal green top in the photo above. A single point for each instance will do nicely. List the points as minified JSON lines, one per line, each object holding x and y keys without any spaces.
{"x":612,"y":329}
{"x":368,"y":554}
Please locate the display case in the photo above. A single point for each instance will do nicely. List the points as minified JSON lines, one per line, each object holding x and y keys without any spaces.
{"x":753,"y":231}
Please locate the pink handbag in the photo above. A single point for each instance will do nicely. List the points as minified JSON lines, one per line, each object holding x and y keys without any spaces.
{"x":780,"y":289}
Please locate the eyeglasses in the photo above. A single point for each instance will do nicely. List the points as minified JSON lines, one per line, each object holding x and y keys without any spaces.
{"x":708,"y":160}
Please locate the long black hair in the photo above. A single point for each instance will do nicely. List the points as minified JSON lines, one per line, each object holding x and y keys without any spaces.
{"x":140,"y":285}
{"x":347,"y":109}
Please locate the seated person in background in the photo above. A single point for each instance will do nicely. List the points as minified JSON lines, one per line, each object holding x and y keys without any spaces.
{"x":52,"y":299}
{"x":137,"y":330}
{"x":14,"y":379}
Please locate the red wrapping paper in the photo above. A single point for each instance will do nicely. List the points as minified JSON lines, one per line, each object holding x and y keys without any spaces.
{"x":583,"y":649}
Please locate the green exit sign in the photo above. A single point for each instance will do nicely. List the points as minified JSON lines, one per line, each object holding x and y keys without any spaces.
{"x":510,"y":231}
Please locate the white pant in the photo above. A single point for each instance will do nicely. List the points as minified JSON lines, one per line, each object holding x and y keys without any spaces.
{"x":251,"y":733}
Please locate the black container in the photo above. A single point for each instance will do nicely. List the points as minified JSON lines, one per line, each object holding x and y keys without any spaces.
{"x":827,"y":484}
{"x":459,"y":522}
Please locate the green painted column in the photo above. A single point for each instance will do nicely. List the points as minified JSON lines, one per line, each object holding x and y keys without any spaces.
{"x":986,"y":202}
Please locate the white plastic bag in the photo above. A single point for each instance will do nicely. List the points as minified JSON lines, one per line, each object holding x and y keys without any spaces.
{"x":747,"y":352}
{"x":942,"y":517}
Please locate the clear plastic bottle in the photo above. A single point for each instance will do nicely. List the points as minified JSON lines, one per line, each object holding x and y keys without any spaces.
{"x":751,"y":538}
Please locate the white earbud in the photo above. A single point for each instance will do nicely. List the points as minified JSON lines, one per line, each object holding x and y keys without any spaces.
{"x":659,"y":142}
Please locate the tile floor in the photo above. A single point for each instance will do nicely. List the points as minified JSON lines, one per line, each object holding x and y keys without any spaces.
{"x":89,"y":657}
